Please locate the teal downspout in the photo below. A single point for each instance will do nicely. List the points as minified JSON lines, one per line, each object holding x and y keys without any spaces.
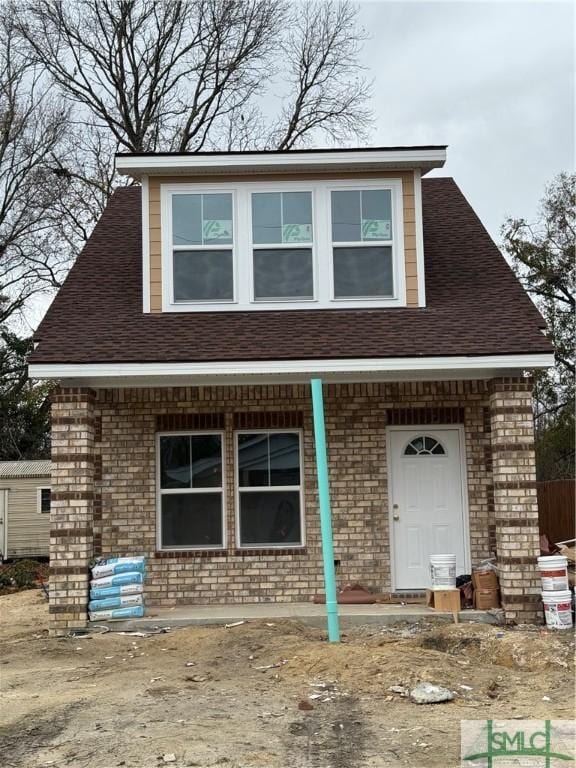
{"x":325,"y":513}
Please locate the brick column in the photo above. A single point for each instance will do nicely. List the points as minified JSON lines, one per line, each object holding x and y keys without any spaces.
{"x":515,"y":502}
{"x":71,"y":517}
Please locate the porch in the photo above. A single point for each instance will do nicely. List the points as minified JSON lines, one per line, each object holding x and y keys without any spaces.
{"x":306,"y":613}
{"x":107,"y":496}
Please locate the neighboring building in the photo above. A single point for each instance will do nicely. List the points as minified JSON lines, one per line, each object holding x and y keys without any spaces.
{"x":24,"y":509}
{"x":185,"y":339}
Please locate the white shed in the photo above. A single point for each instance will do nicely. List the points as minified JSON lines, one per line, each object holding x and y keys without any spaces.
{"x":24,"y":509}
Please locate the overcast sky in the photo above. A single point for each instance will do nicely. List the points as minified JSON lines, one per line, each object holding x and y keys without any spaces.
{"x":493,"y":80}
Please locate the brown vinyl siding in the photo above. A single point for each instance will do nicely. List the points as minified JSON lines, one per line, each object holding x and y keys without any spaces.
{"x":156,"y":234}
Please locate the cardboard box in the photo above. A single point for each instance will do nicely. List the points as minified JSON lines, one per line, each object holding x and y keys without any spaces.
{"x":484,"y":580}
{"x":485,"y":599}
{"x":446,"y":600}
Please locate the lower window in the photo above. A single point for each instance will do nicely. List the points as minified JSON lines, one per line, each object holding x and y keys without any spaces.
{"x":191,"y":491}
{"x":269,"y":489}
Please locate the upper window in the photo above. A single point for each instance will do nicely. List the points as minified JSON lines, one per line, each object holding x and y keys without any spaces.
{"x":269,"y":489}
{"x":424,"y":446}
{"x":282,"y":245}
{"x":282,"y":237}
{"x":362,"y":243}
{"x":44,"y":500}
{"x":202,"y":238}
{"x":191,"y":491}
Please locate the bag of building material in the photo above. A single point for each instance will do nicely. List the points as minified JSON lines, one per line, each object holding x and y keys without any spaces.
{"x":99,"y":593}
{"x":108,"y":603}
{"x":118,"y":580}
{"x":118,"y":614}
{"x":115,"y":566}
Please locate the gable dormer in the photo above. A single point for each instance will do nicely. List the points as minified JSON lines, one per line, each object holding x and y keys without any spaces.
{"x":308,"y":229}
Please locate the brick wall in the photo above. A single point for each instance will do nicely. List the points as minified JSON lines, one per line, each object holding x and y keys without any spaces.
{"x":515,"y":500}
{"x":71,"y":514}
{"x":356,"y":417}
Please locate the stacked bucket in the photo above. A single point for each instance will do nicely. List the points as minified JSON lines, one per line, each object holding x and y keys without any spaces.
{"x":116,"y":589}
{"x":556,"y":593}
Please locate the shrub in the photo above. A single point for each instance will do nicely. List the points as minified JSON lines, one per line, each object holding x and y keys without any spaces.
{"x":22,"y":574}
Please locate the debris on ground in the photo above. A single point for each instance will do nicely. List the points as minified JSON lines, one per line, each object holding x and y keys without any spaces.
{"x":428,"y":693}
{"x":67,"y":708}
{"x":305,"y":705}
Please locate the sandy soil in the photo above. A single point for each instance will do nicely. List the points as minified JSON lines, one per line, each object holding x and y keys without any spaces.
{"x":110,"y":700}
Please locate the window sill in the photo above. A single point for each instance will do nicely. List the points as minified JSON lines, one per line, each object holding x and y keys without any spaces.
{"x":164,"y":554}
{"x":247,"y":551}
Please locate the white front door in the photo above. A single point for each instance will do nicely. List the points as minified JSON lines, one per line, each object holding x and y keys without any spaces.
{"x":427,"y":502}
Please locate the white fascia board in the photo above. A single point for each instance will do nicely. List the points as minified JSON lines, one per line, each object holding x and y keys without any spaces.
{"x":420,"y":265}
{"x":150,"y":164}
{"x":400,"y":365}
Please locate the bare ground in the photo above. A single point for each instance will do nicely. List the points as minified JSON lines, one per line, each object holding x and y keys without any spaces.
{"x":114,"y":700}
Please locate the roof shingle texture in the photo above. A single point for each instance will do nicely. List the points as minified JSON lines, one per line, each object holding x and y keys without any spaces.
{"x":475,"y":305}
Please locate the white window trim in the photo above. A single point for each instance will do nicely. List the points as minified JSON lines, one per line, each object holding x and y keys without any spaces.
{"x":419,"y":237}
{"x":167,"y":491}
{"x":285,"y":545}
{"x":39,"y":499}
{"x":322,"y":258}
{"x":145,"y":192}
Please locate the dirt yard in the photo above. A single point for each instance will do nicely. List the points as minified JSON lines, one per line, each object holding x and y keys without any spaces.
{"x":210,"y":697}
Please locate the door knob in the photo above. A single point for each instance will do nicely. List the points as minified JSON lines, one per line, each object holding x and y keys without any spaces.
{"x":396,"y":517}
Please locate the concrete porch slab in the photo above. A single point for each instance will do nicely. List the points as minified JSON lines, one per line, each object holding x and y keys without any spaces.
{"x":308,"y":613}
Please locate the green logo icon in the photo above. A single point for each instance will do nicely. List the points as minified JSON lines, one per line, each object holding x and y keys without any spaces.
{"x":530,"y":743}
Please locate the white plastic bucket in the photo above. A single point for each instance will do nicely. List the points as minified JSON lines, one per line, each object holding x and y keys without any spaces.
{"x":558,"y":609}
{"x":443,"y":571}
{"x":554,"y":573}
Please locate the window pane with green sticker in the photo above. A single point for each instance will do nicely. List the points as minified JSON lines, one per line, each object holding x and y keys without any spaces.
{"x":361,"y":215}
{"x":217,"y":219}
{"x":202,"y":219}
{"x":296,"y":217}
{"x":281,"y":217}
{"x":376,"y":214}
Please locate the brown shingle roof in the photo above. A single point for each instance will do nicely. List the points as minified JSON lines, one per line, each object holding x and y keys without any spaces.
{"x":475,"y":305}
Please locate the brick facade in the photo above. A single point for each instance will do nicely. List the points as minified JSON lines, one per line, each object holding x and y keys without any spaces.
{"x":72,"y":507}
{"x":104,"y":450}
{"x":515,"y":501}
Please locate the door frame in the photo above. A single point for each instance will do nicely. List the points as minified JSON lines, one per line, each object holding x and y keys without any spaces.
{"x":463,"y":489}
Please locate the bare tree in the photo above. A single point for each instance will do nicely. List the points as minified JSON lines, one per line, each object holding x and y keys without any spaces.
{"x":32,"y":126}
{"x":141,"y":75}
{"x":176,"y":75}
{"x":327,"y":91}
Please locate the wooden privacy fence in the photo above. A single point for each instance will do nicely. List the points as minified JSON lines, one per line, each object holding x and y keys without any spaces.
{"x":556,"y":509}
